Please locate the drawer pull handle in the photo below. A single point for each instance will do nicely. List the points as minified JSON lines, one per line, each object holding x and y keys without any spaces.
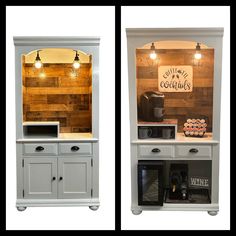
{"x":156,"y":150}
{"x":61,"y":178}
{"x":74,"y":149}
{"x":39,"y":149}
{"x":53,"y":178}
{"x":193,"y":150}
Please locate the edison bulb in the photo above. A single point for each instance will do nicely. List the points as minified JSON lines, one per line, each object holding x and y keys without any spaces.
{"x":198,"y":55}
{"x":153,"y":55}
{"x":76,"y":64}
{"x":38,"y":64}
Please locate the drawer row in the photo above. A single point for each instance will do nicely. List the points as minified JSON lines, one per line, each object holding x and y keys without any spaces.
{"x":56,"y":148}
{"x":178,"y":151}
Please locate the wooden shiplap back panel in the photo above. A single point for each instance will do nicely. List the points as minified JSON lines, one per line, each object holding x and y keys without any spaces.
{"x":58,"y":96}
{"x":180,"y":105}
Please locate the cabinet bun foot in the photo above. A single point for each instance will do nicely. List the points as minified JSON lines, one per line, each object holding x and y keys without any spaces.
{"x":21,"y":208}
{"x":212,"y":213}
{"x":136,"y":212}
{"x":94,"y":208}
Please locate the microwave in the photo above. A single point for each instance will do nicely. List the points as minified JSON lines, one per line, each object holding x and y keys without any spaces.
{"x":150,"y":183}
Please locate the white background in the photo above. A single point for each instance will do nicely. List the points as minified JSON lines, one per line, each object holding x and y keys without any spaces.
{"x":65,"y":21}
{"x":171,"y":17}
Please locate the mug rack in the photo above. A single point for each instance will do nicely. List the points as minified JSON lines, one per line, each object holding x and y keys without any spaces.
{"x":166,"y":129}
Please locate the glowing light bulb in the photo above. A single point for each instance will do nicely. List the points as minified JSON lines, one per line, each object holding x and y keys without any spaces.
{"x":76,"y":64}
{"x":153,"y":55}
{"x":198,"y":55}
{"x":38,"y":64}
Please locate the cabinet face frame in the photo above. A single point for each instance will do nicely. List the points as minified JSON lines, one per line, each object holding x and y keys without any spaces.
{"x":138,"y":37}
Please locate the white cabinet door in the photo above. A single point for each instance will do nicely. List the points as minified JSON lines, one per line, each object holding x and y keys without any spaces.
{"x":40,"y":177}
{"x":74,"y":176}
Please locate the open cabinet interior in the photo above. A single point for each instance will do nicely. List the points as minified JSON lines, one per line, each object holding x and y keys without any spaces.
{"x":177,"y":182}
{"x":174,"y":89}
{"x":57,"y":91}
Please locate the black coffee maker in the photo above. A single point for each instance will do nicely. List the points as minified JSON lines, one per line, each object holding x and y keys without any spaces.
{"x":151,"y":106}
{"x":178,"y":182}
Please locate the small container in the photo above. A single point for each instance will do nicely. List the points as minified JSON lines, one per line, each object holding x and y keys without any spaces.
{"x":195,"y":127}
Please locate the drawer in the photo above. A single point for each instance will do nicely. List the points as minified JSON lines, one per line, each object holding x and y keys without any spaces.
{"x":193,"y":151}
{"x":39,"y":149}
{"x":164,"y":151}
{"x":75,"y":148}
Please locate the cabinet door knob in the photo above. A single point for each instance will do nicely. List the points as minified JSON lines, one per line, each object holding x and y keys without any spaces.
{"x":39,"y":149}
{"x":193,"y":150}
{"x":61,"y":178}
{"x":53,"y":178}
{"x":156,"y":150}
{"x":74,"y":148}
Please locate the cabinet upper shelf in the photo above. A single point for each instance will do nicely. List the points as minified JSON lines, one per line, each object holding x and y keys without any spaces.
{"x":180,"y":138}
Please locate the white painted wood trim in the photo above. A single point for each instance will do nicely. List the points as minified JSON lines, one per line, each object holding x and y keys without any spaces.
{"x":56,"y":140}
{"x":57,"y":202}
{"x":142,"y":32}
{"x":56,"y":40}
{"x":179,"y":207}
{"x":174,"y":141}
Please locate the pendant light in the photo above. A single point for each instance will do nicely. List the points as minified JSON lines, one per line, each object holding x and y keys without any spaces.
{"x":198,"y":54}
{"x":153,"y":54}
{"x":38,"y":63}
{"x":76,"y":63}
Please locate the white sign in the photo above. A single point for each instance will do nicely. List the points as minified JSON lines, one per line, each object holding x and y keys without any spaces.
{"x":199,"y":181}
{"x":175,"y":78}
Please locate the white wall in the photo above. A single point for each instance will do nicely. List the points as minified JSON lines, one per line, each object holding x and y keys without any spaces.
{"x":171,"y":17}
{"x":65,"y":21}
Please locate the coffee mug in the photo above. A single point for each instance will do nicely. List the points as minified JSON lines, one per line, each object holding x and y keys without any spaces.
{"x":167,"y":133}
{"x":158,"y":112}
{"x":144,"y":132}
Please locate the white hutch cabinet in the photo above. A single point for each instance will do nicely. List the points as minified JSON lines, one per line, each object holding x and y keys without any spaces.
{"x":174,"y":99}
{"x":57,"y":134}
